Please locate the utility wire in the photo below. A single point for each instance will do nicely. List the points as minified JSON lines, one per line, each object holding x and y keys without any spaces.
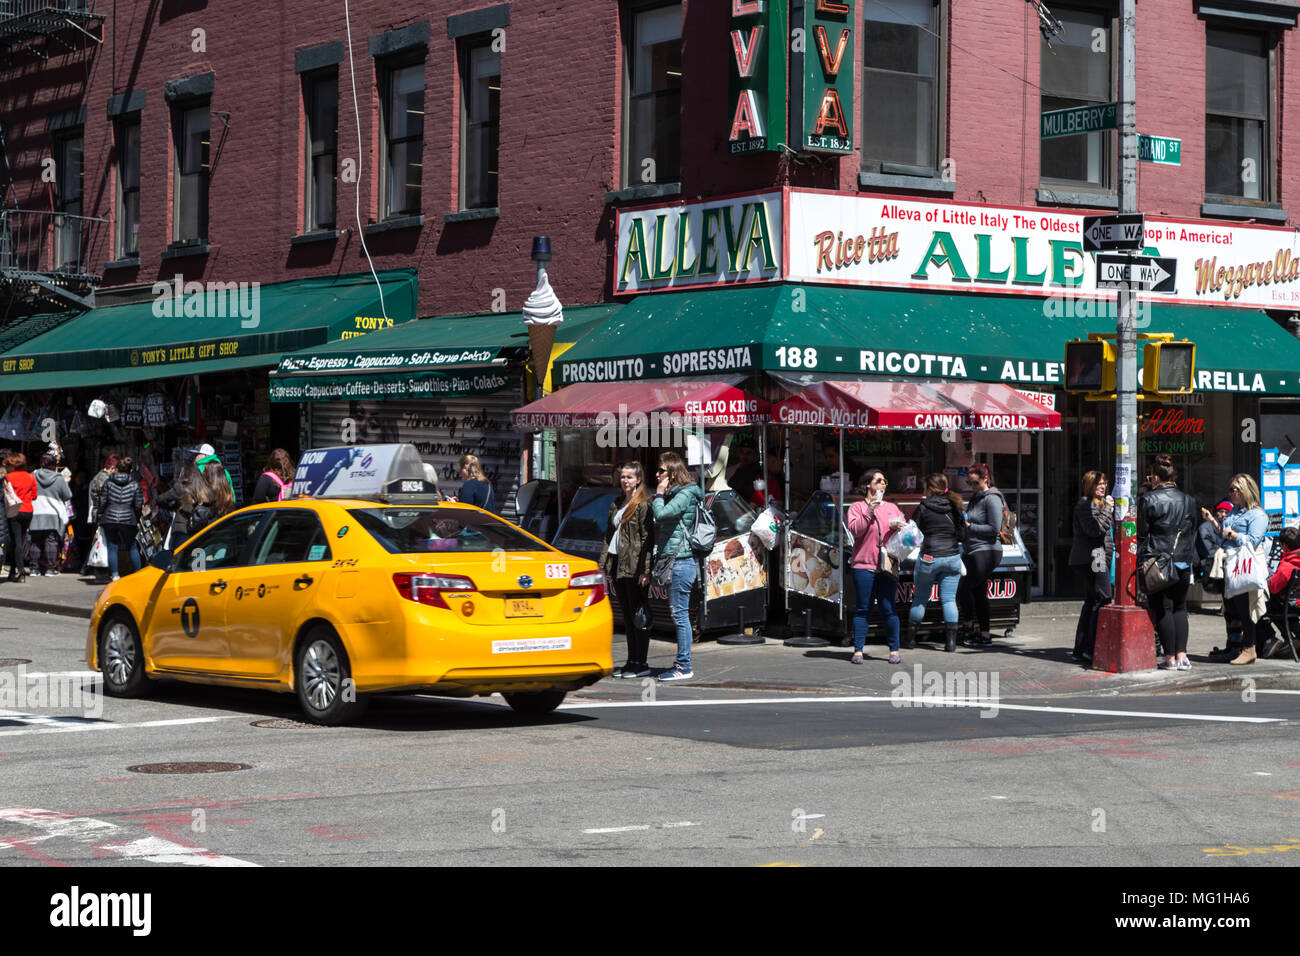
{"x":957,"y":46}
{"x":356,"y":112}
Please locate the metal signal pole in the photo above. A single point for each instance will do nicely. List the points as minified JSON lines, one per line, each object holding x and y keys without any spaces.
{"x":1124,"y":634}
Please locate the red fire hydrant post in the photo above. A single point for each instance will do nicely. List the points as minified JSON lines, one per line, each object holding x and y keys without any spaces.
{"x":1125,"y":640}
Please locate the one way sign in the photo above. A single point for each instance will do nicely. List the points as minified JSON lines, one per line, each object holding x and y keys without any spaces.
{"x":1140,"y":273}
{"x":1122,"y":233}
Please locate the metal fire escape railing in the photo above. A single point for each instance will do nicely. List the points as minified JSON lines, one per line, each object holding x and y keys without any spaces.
{"x":44,"y":258}
{"x":29,"y":18}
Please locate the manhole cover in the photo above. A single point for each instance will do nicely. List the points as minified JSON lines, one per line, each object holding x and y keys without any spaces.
{"x":284,"y":723}
{"x":189,"y":767}
{"x":13,"y":661}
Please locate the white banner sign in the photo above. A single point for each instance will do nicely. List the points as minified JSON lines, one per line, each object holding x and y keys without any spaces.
{"x":699,"y":244}
{"x":884,"y":241}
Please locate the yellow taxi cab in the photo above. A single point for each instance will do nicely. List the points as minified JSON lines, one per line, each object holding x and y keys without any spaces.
{"x":334,"y":595}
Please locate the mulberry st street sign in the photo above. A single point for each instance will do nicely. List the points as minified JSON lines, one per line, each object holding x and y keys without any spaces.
{"x":1079,"y":119}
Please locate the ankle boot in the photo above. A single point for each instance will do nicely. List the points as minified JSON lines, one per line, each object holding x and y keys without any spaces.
{"x":1247,"y":655}
{"x":909,"y":637}
{"x":950,"y":637}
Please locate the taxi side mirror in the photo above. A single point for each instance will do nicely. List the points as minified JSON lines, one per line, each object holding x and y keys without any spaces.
{"x":162,"y":560}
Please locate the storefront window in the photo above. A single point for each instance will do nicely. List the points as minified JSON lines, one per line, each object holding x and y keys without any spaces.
{"x":1195,"y":430}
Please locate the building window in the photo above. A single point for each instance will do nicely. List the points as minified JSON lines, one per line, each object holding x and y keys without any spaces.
{"x":403,"y":136}
{"x":480,"y":124}
{"x":67,"y":202}
{"x":321,"y":103}
{"x":654,"y":101}
{"x":1078,"y":69}
{"x":127,"y":233}
{"x":1237,"y":129}
{"x":901,"y":86}
{"x":192,"y":128}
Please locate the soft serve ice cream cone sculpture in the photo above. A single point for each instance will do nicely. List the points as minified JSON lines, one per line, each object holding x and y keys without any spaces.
{"x":543,"y":315}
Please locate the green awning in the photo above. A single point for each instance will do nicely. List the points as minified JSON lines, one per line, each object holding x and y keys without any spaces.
{"x":439,"y":342}
{"x":209,"y":328}
{"x":846,"y":331}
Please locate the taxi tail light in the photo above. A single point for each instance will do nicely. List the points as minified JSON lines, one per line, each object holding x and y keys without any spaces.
{"x":594,"y":580}
{"x":428,"y":588}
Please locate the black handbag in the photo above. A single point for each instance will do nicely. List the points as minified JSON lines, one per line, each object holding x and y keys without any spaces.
{"x":1158,"y":571}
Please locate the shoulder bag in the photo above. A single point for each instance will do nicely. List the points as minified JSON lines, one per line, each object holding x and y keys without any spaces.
{"x":1158,"y":571}
{"x":662,"y":572}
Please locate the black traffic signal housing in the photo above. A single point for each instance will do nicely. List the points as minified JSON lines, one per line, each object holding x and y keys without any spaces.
{"x":1169,"y":368}
{"x":1090,"y":366}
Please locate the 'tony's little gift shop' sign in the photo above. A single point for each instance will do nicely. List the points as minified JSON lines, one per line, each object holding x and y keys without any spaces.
{"x":835,"y":238}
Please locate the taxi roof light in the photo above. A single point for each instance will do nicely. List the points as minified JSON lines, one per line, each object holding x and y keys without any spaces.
{"x":427,"y":588}
{"x":594,"y":580}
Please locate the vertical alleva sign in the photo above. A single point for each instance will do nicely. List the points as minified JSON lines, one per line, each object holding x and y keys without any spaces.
{"x":822,"y":108}
{"x":758,"y":68}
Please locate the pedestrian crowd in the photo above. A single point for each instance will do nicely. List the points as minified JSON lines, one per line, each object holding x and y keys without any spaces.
{"x":57,"y":521}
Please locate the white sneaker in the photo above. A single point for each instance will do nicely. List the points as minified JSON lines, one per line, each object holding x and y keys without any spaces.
{"x":114,"y":577}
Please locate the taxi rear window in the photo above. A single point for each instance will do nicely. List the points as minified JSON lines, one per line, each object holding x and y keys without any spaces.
{"x":426,"y":530}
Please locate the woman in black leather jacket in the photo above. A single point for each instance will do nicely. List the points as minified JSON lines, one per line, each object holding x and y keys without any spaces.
{"x":1167,"y":525}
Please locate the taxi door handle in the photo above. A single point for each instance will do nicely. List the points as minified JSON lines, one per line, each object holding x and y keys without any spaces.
{"x":216,"y":587}
{"x":302,"y":583}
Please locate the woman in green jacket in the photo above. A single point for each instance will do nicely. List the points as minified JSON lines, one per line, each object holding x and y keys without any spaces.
{"x":674,"y":510}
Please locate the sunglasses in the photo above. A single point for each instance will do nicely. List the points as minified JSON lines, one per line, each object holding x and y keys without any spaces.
{"x":661,"y":471}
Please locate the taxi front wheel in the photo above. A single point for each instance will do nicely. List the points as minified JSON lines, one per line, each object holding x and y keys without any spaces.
{"x":121,"y":658}
{"x":323,"y":679}
{"x":535,"y":705}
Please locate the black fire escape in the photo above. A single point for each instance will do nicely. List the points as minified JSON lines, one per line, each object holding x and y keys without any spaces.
{"x":44,"y":254}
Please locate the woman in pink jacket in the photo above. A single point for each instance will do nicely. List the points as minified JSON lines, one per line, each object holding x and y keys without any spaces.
{"x":871,"y":522}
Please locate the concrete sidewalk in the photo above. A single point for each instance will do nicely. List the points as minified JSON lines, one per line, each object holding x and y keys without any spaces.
{"x":1035,"y":662}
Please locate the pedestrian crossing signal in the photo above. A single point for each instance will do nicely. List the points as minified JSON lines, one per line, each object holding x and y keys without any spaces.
{"x":1168,"y":368}
{"x":1089,"y":366}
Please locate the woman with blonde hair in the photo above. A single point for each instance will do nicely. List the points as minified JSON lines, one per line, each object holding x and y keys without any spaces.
{"x":1246,"y":526}
{"x":476,"y":489}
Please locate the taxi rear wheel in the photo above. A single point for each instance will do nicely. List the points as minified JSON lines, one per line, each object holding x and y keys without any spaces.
{"x":121,"y":658}
{"x":536,"y":705}
{"x":323,"y":679}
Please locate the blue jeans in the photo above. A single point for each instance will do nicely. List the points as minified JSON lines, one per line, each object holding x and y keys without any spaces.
{"x":121,"y":536}
{"x":873,"y":589}
{"x":948,"y":572}
{"x":685,"y":571}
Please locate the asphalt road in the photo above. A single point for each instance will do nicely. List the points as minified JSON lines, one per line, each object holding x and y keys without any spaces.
{"x":695,"y":775}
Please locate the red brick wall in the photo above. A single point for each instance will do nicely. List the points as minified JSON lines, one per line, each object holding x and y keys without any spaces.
{"x":560,"y":132}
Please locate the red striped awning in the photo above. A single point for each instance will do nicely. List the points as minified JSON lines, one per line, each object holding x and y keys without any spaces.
{"x":688,"y":404}
{"x":966,"y":406}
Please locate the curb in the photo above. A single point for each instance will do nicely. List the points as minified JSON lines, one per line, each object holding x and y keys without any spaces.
{"x":62,"y":610}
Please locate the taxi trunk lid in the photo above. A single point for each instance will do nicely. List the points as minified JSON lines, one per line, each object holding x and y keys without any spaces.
{"x":513,"y":589}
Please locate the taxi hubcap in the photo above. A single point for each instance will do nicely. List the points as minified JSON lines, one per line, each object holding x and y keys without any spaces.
{"x":119,"y":654}
{"x":322,"y":674}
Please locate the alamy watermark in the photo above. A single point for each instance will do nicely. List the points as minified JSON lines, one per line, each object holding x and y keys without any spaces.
{"x":645,"y":430}
{"x":946,"y":689}
{"x":30,"y":693}
{"x":209,"y":300}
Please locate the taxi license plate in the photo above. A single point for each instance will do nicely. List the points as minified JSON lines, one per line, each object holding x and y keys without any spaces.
{"x":523,"y":607}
